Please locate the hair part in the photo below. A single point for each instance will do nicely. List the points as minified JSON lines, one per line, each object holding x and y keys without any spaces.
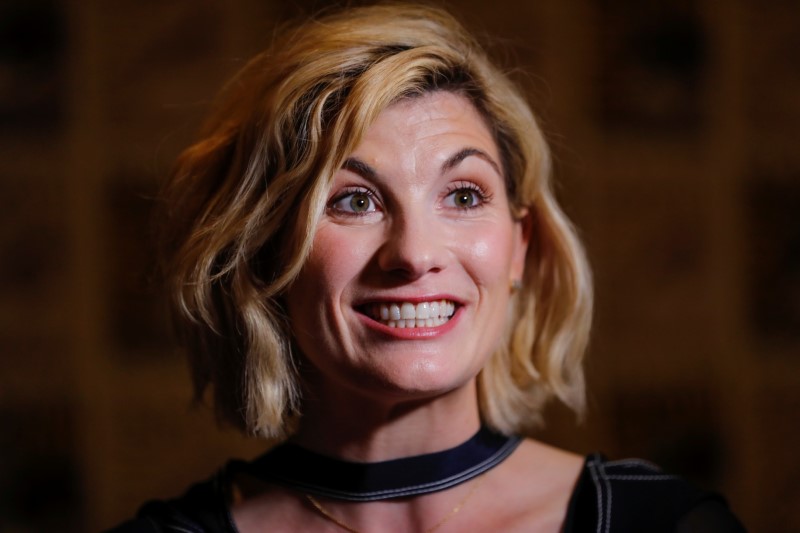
{"x":241,"y":205}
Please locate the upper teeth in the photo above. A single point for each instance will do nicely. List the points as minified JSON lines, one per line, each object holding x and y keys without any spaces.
{"x":409,"y":315}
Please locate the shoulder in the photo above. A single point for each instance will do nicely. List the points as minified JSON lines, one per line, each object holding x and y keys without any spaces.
{"x":531,"y":489}
{"x":202,"y":508}
{"x":636,"y":495}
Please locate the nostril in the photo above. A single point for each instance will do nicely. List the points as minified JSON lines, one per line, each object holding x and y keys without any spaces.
{"x":411,"y":255}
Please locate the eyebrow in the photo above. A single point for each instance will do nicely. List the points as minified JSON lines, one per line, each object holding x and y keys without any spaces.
{"x":455,"y":159}
{"x":359,"y":167}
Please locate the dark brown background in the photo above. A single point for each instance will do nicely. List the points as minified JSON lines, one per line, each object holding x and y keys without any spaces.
{"x":674,"y":129}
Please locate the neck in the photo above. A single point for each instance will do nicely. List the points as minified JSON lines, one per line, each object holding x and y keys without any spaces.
{"x":312,"y":473}
{"x":367,"y":430}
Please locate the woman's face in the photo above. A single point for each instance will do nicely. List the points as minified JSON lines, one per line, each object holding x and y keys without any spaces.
{"x":405,"y":294}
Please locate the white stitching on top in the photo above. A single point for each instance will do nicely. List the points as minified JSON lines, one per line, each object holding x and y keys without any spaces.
{"x":610,"y":500}
{"x":496,"y":458}
{"x":597,"y":468}
{"x":591,"y":465}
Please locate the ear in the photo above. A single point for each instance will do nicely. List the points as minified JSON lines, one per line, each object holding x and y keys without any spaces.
{"x":523,"y":227}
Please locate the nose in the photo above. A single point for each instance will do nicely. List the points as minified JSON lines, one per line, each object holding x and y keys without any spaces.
{"x":414,"y":246}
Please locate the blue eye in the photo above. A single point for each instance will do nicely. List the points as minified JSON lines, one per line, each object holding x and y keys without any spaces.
{"x":356,"y":202}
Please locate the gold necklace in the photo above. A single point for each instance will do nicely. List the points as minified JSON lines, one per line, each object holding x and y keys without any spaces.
{"x":327,"y":514}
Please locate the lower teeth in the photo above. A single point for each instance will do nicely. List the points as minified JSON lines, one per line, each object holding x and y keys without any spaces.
{"x":412,"y":323}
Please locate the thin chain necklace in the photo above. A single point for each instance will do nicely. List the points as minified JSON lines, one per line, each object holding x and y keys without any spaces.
{"x":327,"y":514}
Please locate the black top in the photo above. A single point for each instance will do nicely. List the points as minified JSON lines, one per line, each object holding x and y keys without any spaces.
{"x":632,"y":495}
{"x":610,"y":497}
{"x":308,"y":472}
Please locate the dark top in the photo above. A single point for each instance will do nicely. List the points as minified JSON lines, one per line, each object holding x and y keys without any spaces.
{"x":610,"y":497}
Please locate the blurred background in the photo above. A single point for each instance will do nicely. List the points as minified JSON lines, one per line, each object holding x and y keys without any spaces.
{"x":674,"y":126}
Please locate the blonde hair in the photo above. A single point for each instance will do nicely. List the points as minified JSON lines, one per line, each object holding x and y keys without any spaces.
{"x":242,"y":204}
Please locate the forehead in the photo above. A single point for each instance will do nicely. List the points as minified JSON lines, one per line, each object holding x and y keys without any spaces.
{"x":433,"y":105}
{"x":434,"y":117}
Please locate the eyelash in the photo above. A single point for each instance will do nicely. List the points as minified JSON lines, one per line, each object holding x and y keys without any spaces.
{"x":349,"y":191}
{"x":482,"y":195}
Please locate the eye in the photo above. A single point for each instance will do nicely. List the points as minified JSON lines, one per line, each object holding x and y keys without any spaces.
{"x":355,"y":202}
{"x":360,"y":202}
{"x":465,"y":196}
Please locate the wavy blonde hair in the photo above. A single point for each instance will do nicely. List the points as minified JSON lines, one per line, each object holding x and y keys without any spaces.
{"x":242,"y":203}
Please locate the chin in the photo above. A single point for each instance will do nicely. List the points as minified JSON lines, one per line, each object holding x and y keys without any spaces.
{"x":422,"y":381}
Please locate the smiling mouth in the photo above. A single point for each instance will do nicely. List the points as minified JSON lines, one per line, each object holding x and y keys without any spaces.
{"x":410,"y":315}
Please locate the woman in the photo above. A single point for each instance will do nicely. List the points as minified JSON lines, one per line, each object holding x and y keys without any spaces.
{"x":368,"y":264}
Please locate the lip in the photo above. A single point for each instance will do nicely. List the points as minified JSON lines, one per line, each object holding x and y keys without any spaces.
{"x":412,"y":333}
{"x":392,"y":299}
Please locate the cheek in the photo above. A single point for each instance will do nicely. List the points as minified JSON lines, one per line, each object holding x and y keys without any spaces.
{"x":337,"y":257}
{"x":336,"y":260}
{"x":488,"y":254}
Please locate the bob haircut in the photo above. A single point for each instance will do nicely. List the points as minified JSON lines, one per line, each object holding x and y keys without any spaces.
{"x":243,"y":202}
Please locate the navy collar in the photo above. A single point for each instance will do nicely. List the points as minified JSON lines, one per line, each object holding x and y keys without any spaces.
{"x":298,"y":468}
